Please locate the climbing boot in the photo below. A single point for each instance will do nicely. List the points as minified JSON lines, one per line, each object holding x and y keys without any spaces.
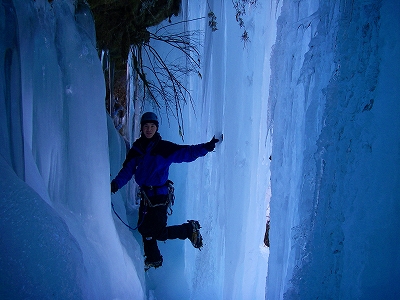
{"x":195,"y":236}
{"x":152,"y":264}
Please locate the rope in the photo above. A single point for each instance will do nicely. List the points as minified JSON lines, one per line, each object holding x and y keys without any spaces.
{"x":144,"y":212}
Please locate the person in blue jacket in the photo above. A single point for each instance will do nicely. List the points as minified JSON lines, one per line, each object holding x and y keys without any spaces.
{"x":148,"y":161}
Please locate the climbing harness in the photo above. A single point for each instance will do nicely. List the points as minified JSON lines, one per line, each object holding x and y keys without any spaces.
{"x":170,"y":196}
{"x":147,"y":203}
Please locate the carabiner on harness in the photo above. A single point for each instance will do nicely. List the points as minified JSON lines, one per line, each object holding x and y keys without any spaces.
{"x":170,"y":197}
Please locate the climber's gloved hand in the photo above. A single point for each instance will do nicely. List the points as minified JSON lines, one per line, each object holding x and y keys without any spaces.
{"x":210,"y":146}
{"x":114,"y":187}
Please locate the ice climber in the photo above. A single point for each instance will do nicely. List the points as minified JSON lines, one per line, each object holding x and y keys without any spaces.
{"x":149,"y":160}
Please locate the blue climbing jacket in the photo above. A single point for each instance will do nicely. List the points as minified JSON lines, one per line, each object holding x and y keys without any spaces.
{"x":149,"y":161}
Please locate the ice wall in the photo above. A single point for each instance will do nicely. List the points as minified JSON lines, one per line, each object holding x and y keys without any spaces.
{"x":54,"y":138}
{"x":227,"y":190}
{"x":334,"y":116}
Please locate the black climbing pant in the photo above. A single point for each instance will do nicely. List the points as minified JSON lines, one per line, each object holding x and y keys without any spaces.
{"x":153,"y":227}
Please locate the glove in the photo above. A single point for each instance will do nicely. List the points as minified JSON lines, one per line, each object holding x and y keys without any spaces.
{"x":210,"y":146}
{"x":114,"y":187}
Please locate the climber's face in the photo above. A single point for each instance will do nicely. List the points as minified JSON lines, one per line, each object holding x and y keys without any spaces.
{"x":149,"y":129}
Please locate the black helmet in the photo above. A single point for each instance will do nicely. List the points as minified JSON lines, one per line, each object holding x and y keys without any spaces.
{"x":149,"y":117}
